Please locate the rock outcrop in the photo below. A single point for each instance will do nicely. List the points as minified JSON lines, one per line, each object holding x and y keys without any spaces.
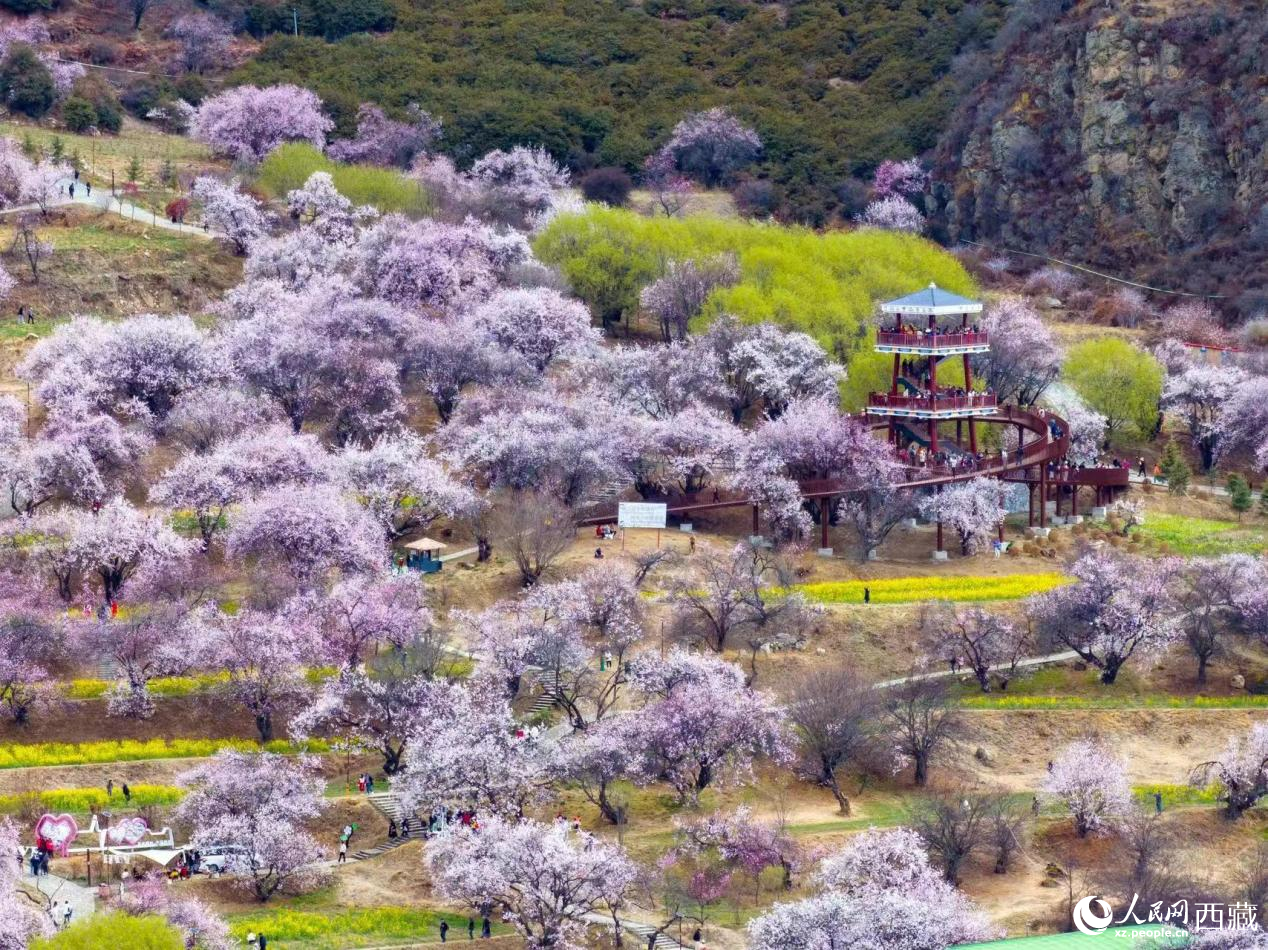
{"x":1133,"y":135}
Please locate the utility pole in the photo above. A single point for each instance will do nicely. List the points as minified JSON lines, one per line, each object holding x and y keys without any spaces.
{"x":295,"y":19}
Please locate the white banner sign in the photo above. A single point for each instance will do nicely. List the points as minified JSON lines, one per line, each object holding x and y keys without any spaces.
{"x":637,"y":514}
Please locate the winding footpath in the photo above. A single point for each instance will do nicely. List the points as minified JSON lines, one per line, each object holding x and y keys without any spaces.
{"x":105,"y":202}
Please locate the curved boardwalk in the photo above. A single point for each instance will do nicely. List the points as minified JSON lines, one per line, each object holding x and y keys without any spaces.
{"x":1028,"y":466}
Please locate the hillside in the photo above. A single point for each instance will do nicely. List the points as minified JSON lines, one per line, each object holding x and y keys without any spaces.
{"x":1133,"y":136}
{"x":831,"y":88}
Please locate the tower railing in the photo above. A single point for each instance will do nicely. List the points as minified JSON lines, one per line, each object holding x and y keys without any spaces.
{"x":932,"y":403}
{"x":929,"y":340}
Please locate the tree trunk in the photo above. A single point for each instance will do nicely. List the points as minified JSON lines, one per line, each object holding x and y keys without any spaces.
{"x":392,"y":757}
{"x":843,"y":801}
{"x":606,"y":808}
{"x":921,"y":761}
{"x":484,"y":549}
{"x":1202,"y":661}
{"x":264,"y":725}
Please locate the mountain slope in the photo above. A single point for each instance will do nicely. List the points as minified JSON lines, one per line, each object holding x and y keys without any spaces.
{"x":1133,"y":135}
{"x":832,"y":87}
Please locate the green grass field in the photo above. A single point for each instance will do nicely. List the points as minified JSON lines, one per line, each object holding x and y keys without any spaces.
{"x":99,"y":155}
{"x":1203,"y":536}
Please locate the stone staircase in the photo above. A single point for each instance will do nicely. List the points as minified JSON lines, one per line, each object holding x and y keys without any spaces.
{"x":638,"y":932}
{"x":105,"y":668}
{"x":389,"y":804}
{"x":548,"y":683}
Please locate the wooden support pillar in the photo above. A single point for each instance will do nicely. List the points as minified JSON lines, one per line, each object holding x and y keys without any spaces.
{"x":1030,"y":500}
{"x":933,"y":388}
{"x":825,"y":516}
{"x":1043,"y":495}
{"x":938,"y":490}
{"x":1074,"y":500}
{"x":1001,"y":529}
{"x":968,"y":388}
{"x":757,"y":525}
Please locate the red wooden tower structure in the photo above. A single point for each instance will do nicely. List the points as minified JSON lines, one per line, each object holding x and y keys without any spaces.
{"x":930,"y":326}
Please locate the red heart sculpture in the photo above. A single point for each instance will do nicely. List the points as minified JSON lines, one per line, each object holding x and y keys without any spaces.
{"x":57,"y":831}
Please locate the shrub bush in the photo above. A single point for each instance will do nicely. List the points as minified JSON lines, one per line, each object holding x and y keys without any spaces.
{"x":608,"y":185}
{"x":114,"y":930}
{"x":26,"y":85}
{"x":78,"y":114}
{"x":756,"y":199}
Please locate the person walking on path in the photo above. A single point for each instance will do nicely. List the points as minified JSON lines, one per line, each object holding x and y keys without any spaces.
{"x":67,"y":911}
{"x":470,"y":928}
{"x":109,"y":788}
{"x":444,"y":930}
{"x":867,"y":595}
{"x":264,"y":942}
{"x":343,"y":850}
{"x":1157,"y":803}
{"x":485,"y":930}
{"x":127,"y":793}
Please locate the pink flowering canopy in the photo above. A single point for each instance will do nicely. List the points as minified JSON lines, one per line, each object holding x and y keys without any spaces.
{"x":972,"y":509}
{"x":1119,"y":607}
{"x":247,"y":122}
{"x":892,"y":214}
{"x":230,"y":212}
{"x":905,"y":178}
{"x":542,"y":879}
{"x":260,"y":802}
{"x":387,"y":142}
{"x":880,"y":893}
{"x":1089,"y":778}
{"x":307,"y":532}
{"x":711,"y":146}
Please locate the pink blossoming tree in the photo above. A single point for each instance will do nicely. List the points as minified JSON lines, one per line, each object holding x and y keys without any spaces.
{"x":543,"y":879}
{"x":1119,"y":607}
{"x":387,"y":142}
{"x":247,"y":122}
{"x":1090,"y":780}
{"x":261,"y":803}
{"x":711,"y":146}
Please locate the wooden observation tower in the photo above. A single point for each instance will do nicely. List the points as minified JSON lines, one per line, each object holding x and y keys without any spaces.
{"x":928,"y":327}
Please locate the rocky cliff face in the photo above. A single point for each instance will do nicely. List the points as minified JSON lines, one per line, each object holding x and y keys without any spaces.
{"x":1133,"y":135}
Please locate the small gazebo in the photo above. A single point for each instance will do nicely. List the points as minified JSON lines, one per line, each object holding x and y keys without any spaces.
{"x":424,"y":555}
